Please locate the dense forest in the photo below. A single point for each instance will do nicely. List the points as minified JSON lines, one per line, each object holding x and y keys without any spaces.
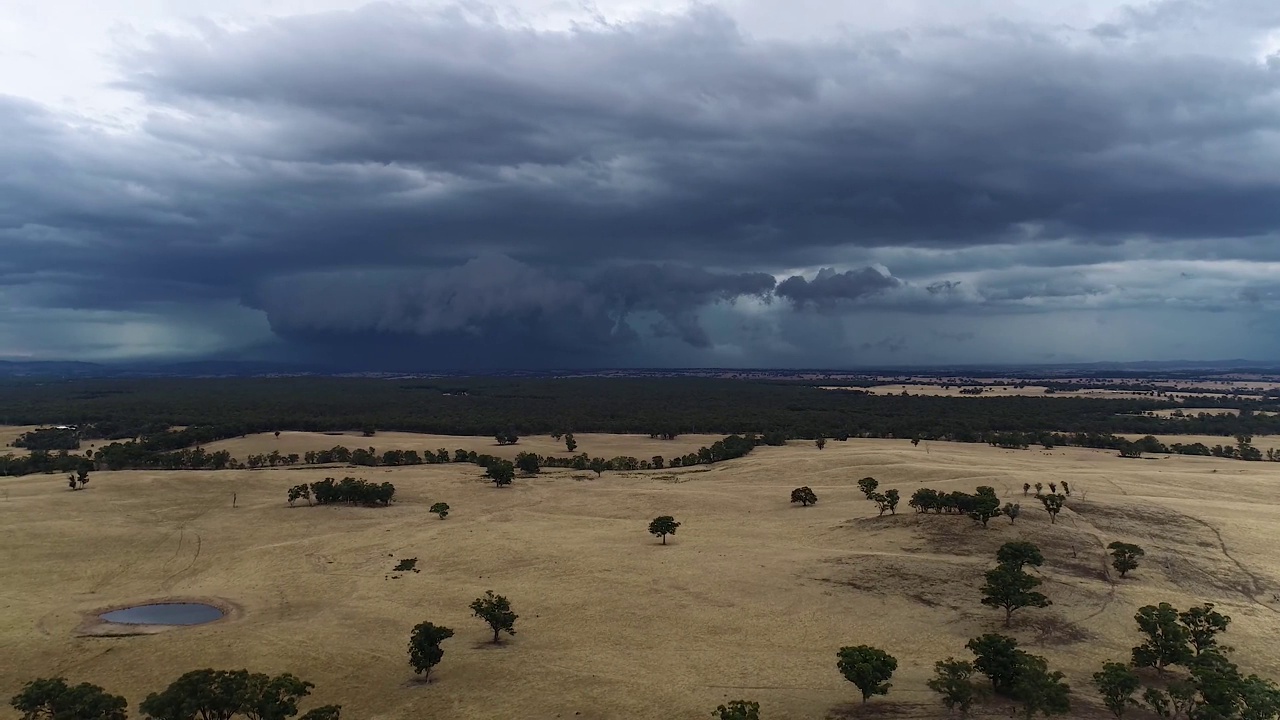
{"x":117,"y":409}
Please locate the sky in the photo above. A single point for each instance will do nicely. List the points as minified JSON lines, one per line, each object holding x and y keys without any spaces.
{"x":737,"y":183}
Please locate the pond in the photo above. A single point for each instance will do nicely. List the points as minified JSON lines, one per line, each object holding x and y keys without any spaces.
{"x":165,"y":614}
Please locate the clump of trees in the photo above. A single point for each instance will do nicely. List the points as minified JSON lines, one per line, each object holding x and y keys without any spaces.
{"x":737,"y":710}
{"x":348,"y":491}
{"x":507,"y":438}
{"x":441,"y":509}
{"x":1211,"y":686}
{"x":54,"y":699}
{"x":662,"y":526}
{"x":49,"y":439}
{"x":982,"y":505}
{"x":804,"y":496}
{"x":1019,"y":675}
{"x":495,"y":610}
{"x":79,"y":479}
{"x":886,"y":501}
{"x":223,"y":694}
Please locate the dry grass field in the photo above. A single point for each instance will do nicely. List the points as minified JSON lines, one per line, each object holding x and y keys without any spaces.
{"x":751,"y":598}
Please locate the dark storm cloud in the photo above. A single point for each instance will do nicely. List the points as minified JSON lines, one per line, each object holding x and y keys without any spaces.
{"x":400,"y":173}
{"x":496,"y":295}
{"x":829,"y":287}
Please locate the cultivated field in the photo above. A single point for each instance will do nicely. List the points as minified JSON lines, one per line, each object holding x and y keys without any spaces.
{"x":751,"y":599}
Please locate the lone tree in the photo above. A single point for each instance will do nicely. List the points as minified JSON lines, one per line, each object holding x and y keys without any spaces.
{"x":598,"y":466}
{"x":1012,"y":589}
{"x":820,"y":443}
{"x":441,"y":509}
{"x":1124,"y":556}
{"x":1019,"y":553}
{"x":569,"y":443}
{"x":737,"y":710}
{"x":495,"y":610}
{"x":1011,"y":511}
{"x":868,"y":486}
{"x":424,"y":647}
{"x":1167,"y":639}
{"x":868,"y":668}
{"x":1117,"y":683}
{"x":1203,"y":624}
{"x":1026,"y":487}
{"x":501,"y":473}
{"x":804,"y":496}
{"x":54,"y":699}
{"x":952,"y":680}
{"x":663,"y":526}
{"x":1053,"y":505}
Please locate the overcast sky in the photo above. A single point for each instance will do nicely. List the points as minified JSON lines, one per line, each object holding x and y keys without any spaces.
{"x":733,"y":183}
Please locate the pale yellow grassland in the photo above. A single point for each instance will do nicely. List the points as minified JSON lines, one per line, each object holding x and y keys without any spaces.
{"x":751,"y":599}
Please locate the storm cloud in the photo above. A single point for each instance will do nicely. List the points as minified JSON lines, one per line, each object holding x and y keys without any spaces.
{"x":668,"y":187}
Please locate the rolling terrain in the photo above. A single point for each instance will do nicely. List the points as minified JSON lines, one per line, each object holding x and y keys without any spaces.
{"x":751,"y":599}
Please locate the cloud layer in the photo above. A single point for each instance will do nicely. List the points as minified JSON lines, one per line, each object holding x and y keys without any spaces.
{"x":668,"y":189}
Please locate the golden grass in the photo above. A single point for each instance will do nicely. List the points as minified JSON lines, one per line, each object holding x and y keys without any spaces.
{"x":751,"y":599}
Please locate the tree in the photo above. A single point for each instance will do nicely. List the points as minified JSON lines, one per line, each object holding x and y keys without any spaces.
{"x":1026,"y":487}
{"x":1018,"y":554}
{"x":820,"y":443}
{"x":441,"y":509}
{"x":529,"y":463}
{"x":569,"y":443}
{"x":1053,"y":488}
{"x":1011,"y":511}
{"x":984,"y":507}
{"x":1066,"y":488}
{"x":663,"y":526}
{"x":220,"y":694}
{"x":1039,"y":488}
{"x":1124,"y":557}
{"x":598,"y":466}
{"x":886,"y":501}
{"x":1203,"y":624}
{"x":868,"y":486}
{"x":1167,"y":639}
{"x":299,"y":491}
{"x":1117,"y":684}
{"x":868,"y":668}
{"x":495,"y":610}
{"x":1053,"y":505}
{"x":82,"y":476}
{"x":273,"y":698}
{"x":1011,"y":589}
{"x":53,"y":699}
{"x":324,"y":712}
{"x":998,"y":657}
{"x":952,"y":680}
{"x":501,"y":473}
{"x":737,"y":710}
{"x":1041,"y":690}
{"x":804,"y":496}
{"x":424,"y":647}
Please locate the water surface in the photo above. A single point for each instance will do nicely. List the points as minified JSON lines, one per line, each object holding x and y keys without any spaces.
{"x":165,"y":614}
